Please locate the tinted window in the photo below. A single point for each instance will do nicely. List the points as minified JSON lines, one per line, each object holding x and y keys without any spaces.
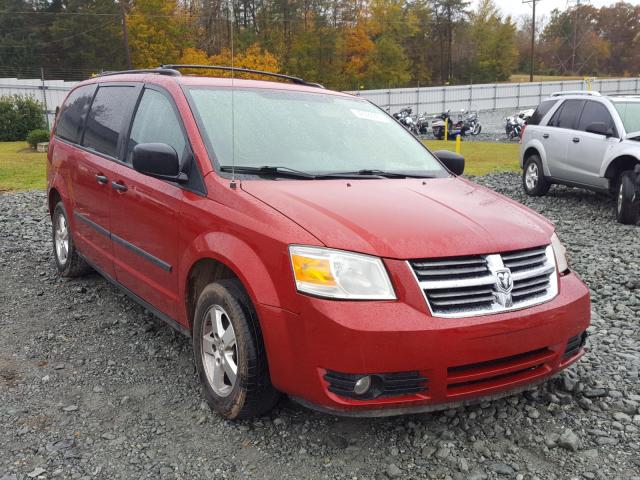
{"x":74,"y":111}
{"x":111,"y":107}
{"x":156,"y":122}
{"x":541,"y":111}
{"x":595,"y":112}
{"x":567,"y":115}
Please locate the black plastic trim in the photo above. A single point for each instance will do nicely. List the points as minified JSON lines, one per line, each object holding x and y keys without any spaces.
{"x":143,"y":253}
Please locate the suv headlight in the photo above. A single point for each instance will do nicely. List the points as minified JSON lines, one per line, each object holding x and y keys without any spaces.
{"x":338,"y":274}
{"x":560,"y":253}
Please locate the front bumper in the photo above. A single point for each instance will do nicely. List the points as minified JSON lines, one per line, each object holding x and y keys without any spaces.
{"x":463,"y":359}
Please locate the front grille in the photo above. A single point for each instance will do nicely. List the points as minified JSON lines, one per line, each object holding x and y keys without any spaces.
{"x":479,"y":376}
{"x":467,"y":286}
{"x":382,"y":384}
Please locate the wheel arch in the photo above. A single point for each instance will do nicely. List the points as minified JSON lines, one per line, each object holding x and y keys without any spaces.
{"x":535,"y":148}
{"x":217,"y":255}
{"x":619,"y":164}
{"x":53,"y":198}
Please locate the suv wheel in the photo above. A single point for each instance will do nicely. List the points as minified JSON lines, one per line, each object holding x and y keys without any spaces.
{"x":229,"y":353}
{"x":68,"y":262}
{"x":533,"y":179}
{"x":627,"y":199}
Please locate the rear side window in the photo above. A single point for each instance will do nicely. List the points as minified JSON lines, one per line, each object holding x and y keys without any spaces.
{"x":111,"y":107}
{"x":567,"y":115}
{"x":541,"y":111}
{"x":156,"y":122}
{"x":74,"y":111}
{"x":595,"y":112}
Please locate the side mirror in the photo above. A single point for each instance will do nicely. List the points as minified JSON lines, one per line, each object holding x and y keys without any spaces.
{"x":599,"y":128}
{"x":158,"y":160}
{"x":451,"y":160}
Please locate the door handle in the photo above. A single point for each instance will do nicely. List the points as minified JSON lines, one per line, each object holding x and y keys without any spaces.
{"x":101,"y":179}
{"x":119,"y":186}
{"x":576,"y":140}
{"x":545,"y":135}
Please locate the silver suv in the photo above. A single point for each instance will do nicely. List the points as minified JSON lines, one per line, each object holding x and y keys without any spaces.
{"x":583,"y":139}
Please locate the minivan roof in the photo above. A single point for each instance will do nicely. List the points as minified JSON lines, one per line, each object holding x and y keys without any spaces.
{"x":207,"y":81}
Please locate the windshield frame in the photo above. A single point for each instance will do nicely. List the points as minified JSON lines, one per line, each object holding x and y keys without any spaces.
{"x":214,"y":159}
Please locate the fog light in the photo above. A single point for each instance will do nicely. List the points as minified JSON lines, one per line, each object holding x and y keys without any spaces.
{"x":362,"y":385}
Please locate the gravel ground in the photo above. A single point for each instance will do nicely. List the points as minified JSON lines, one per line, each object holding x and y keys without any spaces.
{"x":91,"y":386}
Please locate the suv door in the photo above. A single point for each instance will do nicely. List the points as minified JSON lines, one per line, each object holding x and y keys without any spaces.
{"x":558,"y":135}
{"x":145,"y":224}
{"x":587,"y":150}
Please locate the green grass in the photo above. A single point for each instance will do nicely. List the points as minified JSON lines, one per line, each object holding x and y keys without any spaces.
{"x":21,"y":168}
{"x":483,"y":157}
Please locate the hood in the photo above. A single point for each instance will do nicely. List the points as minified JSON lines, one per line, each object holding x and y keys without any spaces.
{"x":412,"y":218}
{"x":632,"y":136}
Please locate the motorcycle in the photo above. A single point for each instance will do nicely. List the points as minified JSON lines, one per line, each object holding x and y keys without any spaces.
{"x":453,"y":129}
{"x":472,"y":120}
{"x":405,"y":118}
{"x":423,"y":124}
{"x":515,"y":123}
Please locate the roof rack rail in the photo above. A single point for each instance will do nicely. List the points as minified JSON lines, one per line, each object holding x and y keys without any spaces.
{"x":296,"y":80}
{"x":589,"y":93}
{"x":159,"y":71}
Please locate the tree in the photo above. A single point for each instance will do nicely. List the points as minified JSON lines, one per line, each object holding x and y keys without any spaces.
{"x":448,"y":15}
{"x":495,"y":44}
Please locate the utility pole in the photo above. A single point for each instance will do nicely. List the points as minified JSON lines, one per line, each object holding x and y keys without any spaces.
{"x":125,"y":34}
{"x":533,"y":36}
{"x":574,"y":46}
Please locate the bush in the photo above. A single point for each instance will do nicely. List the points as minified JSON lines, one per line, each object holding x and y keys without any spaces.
{"x":34,"y":137}
{"x":18,"y":116}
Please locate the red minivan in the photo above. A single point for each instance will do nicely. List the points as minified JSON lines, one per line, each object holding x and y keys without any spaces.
{"x":308,"y":244}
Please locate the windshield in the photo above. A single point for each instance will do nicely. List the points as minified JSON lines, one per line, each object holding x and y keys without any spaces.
{"x":630,"y":115}
{"x":309,"y":132}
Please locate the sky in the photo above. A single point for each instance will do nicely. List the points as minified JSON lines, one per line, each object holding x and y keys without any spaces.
{"x":516,"y":8}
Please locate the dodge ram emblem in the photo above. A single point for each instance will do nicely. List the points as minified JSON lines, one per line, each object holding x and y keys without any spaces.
{"x":504,"y":285}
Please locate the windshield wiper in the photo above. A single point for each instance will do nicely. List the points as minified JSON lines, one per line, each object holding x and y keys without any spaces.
{"x":268,"y":170}
{"x":386,"y":173}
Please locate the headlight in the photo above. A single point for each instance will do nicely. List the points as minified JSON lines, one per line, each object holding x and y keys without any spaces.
{"x":560,"y":253}
{"x":339,"y":274}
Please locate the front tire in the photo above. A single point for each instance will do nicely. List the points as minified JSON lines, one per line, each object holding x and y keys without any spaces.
{"x":533,"y":179}
{"x":229,"y":353}
{"x":627,"y":201}
{"x":68,"y":261}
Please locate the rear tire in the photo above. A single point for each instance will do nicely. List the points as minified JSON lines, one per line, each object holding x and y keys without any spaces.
{"x":533,"y":179}
{"x":229,"y":353}
{"x":68,"y":261}
{"x":627,"y":199}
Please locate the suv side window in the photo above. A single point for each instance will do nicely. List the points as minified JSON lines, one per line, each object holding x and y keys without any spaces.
{"x":595,"y":112}
{"x":541,"y":111}
{"x":156,"y":122}
{"x":567,"y":115}
{"x":111,"y":107}
{"x":74,"y":111}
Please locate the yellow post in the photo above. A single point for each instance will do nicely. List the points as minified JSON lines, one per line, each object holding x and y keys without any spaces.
{"x":446,"y":129}
{"x":458,"y":144}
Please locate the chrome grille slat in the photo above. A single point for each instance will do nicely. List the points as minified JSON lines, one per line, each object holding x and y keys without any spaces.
{"x":450,"y":271}
{"x":467,"y":286}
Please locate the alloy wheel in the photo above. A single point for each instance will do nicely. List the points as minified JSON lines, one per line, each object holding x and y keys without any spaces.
{"x":219,"y":351}
{"x":531,"y":176}
{"x":61,"y":239}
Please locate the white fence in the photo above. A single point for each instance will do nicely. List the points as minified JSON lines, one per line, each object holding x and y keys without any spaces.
{"x":50,"y":93}
{"x":487,"y":96}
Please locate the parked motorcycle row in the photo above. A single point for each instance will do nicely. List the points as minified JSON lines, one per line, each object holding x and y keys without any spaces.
{"x":467,"y":123}
{"x":516,"y":122}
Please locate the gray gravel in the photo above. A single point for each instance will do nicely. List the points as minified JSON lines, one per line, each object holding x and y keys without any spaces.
{"x":91,"y":386}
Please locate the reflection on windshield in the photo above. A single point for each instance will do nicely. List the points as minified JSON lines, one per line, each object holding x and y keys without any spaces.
{"x":308,"y":132}
{"x":630,"y":115}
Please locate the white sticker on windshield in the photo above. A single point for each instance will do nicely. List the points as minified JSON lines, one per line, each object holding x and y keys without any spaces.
{"x":374,"y":116}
